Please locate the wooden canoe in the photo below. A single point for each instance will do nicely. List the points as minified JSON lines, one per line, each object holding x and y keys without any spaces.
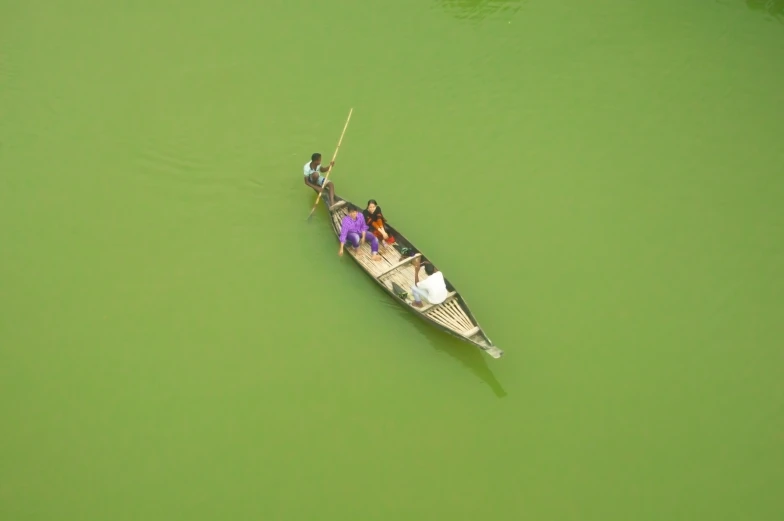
{"x":451,"y":316}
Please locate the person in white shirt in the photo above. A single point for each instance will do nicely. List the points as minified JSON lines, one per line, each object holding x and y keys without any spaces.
{"x":315,"y":180}
{"x":432,"y":289}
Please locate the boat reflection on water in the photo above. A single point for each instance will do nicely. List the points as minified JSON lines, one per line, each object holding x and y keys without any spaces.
{"x":470,"y":357}
{"x":480,"y":9}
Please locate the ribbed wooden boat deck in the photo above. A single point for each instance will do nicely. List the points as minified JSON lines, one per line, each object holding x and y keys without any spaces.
{"x":449,"y":314}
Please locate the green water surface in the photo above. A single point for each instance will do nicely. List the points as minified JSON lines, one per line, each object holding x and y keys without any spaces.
{"x":603,"y":181}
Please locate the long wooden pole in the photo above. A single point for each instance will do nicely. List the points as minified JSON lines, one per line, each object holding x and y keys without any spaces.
{"x":324,"y":184}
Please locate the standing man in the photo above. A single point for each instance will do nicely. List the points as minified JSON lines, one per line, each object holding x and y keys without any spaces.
{"x":315,"y":180}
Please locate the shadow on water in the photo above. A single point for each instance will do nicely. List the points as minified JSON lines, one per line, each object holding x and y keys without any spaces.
{"x":472,"y":358}
{"x":480,"y":9}
{"x":773,"y":8}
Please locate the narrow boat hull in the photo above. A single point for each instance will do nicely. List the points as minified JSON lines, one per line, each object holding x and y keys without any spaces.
{"x":396,"y":271}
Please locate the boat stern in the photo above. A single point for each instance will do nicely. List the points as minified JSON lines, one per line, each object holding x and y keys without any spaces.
{"x":484,"y":343}
{"x":494,"y":352}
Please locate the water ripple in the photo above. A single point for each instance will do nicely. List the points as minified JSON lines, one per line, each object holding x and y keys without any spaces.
{"x":176,"y":165}
{"x":477,"y":10}
{"x":773,"y":8}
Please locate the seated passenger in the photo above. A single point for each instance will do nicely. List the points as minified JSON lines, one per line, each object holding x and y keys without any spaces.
{"x":432,"y":289}
{"x":354,"y":229}
{"x":375,"y":219}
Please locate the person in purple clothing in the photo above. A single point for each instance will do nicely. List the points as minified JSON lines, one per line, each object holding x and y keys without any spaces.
{"x":353,"y":228}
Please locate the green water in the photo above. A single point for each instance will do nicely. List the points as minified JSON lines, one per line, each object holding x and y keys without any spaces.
{"x":601,"y":180}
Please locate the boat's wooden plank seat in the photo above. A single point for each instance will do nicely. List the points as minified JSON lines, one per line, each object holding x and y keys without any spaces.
{"x":471,"y":332}
{"x":399,"y":265}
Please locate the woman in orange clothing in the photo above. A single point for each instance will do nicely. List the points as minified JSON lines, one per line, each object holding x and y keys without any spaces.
{"x":376,"y":221}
